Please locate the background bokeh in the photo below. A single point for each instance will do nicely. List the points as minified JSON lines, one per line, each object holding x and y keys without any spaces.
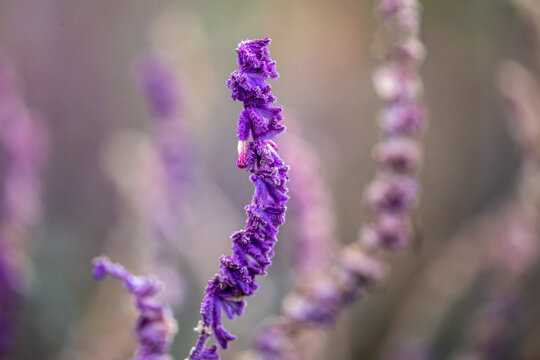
{"x":76,"y":60}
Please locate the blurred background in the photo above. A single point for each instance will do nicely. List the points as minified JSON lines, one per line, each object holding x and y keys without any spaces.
{"x":77,"y":64}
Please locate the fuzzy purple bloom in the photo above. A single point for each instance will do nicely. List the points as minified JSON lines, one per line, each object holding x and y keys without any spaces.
{"x":253,"y":246}
{"x":155,"y":326}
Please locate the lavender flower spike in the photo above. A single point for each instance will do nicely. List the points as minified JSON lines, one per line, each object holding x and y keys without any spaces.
{"x":155,"y":325}
{"x":253,"y":246}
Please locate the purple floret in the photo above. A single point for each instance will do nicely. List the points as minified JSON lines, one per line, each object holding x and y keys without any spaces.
{"x":252,"y":246}
{"x":395,"y":194}
{"x":398,"y":155}
{"x":155,"y":326}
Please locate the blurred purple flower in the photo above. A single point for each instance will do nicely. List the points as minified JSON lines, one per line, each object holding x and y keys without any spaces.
{"x":392,"y":194}
{"x":252,"y":246}
{"x":174,"y":171}
{"x":169,"y":136}
{"x":159,"y":87}
{"x":402,"y":119}
{"x":311,"y":208}
{"x":389,"y":8}
{"x":389,"y":231}
{"x":398,"y":155}
{"x":24,"y":145}
{"x":391,"y":197}
{"x":155,"y":326}
{"x":514,"y":250}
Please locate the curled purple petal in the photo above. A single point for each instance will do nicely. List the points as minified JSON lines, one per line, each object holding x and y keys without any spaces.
{"x":155,"y":326}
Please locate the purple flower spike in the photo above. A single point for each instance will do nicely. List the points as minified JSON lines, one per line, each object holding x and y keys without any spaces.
{"x":391,"y":198}
{"x":260,"y":119}
{"x":155,"y":326}
{"x":253,"y":246}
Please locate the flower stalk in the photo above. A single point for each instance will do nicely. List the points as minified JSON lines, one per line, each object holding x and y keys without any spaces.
{"x":155,"y":326}
{"x":258,"y":124}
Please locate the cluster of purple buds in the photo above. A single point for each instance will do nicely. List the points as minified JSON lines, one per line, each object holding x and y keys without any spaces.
{"x":391,"y":197}
{"x":155,"y":326}
{"x":394,"y":193}
{"x":258,"y":125}
{"x":24,"y":142}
